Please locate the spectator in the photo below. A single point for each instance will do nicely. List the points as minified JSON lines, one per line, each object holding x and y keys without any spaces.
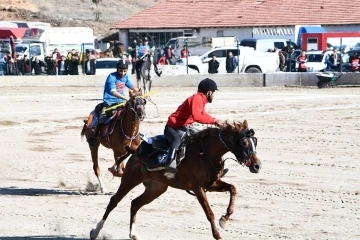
{"x":73,"y":67}
{"x":133,"y":54}
{"x":231,"y":63}
{"x":169,"y":55}
{"x":354,"y":63}
{"x":9,"y":66}
{"x":213,"y":65}
{"x":63,"y":66}
{"x":50,"y":70}
{"x":90,"y":68}
{"x":332,"y":61}
{"x":302,"y":59}
{"x":185,"y":52}
{"x":56,"y":57}
{"x":158,"y":56}
{"x":37,"y":65}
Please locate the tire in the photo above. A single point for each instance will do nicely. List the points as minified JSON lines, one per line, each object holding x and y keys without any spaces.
{"x":252,"y":70}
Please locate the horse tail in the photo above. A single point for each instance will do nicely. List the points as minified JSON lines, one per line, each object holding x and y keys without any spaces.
{"x":82,"y":134}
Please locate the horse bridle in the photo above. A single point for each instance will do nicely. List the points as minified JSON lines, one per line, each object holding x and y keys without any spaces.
{"x":238,"y":150}
{"x":138,"y":101}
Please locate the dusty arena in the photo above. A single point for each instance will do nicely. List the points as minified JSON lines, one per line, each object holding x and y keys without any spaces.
{"x":308,"y":187}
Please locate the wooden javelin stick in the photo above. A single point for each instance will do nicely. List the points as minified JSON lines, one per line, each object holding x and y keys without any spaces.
{"x":123,"y":103}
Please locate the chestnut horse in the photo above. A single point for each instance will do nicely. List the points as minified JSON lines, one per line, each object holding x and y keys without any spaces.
{"x":199,"y":171}
{"x":124,"y":138}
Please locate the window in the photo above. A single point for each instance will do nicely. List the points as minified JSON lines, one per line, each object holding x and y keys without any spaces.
{"x":220,"y":33}
{"x":279,"y":45}
{"x":217,"y":53}
{"x":312,"y":40}
{"x":106,"y":64}
{"x":20,"y":49}
{"x":234,"y":52}
{"x":35,"y":50}
{"x":314,"y":57}
{"x":248,"y":44}
{"x":156,"y":39}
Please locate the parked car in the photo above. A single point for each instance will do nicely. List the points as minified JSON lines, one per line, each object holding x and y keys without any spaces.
{"x":263,"y":45}
{"x":316,"y":61}
{"x":105,"y":66}
{"x":250,"y":61}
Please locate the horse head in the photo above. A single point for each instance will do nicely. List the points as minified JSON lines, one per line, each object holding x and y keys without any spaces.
{"x":242,"y":143}
{"x":136,"y":104}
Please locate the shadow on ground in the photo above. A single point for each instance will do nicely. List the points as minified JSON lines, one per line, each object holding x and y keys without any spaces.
{"x":53,"y":238}
{"x":14,"y":191}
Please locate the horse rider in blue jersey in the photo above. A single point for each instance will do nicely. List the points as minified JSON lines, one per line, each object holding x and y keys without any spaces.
{"x":143,"y":50}
{"x":113,"y":94}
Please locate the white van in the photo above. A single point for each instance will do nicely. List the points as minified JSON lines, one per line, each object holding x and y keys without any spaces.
{"x":263,"y":45}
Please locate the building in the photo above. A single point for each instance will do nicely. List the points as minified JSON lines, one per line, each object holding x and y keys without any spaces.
{"x":240,"y":18}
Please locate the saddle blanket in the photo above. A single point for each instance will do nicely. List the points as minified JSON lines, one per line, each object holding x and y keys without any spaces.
{"x":150,"y":159}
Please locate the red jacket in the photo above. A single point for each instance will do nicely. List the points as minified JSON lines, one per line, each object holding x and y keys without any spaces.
{"x":190,"y":111}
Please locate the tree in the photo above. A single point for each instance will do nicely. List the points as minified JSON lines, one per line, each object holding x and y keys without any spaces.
{"x":97,"y":12}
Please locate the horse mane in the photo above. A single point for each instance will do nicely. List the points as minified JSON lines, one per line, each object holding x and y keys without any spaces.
{"x":210,"y":132}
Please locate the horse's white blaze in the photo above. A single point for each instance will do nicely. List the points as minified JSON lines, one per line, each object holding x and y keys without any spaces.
{"x":252,"y":144}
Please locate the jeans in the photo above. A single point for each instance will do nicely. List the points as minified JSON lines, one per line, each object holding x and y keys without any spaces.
{"x":174,"y":136}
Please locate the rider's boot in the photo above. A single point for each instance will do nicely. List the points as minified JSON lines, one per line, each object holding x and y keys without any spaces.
{"x":102,"y":118}
{"x":171,"y":170}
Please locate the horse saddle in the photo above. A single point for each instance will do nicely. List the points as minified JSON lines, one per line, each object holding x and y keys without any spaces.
{"x":110,"y":122}
{"x":152,"y":154}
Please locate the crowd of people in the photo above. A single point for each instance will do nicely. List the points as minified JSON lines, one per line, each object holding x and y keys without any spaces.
{"x":53,"y":64}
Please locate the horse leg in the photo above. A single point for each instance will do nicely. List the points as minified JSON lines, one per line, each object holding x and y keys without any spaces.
{"x":150,"y":82}
{"x":202,"y":198}
{"x":153,"y":189}
{"x":220,"y":186}
{"x":94,"y":156}
{"x":115,"y":169}
{"x":118,"y":168}
{"x":131,"y":178}
{"x":145,"y":87}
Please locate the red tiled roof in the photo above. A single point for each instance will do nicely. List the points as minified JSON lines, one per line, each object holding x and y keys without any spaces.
{"x":243,"y":13}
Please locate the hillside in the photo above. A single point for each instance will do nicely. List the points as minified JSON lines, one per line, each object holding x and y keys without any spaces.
{"x":72,"y":13}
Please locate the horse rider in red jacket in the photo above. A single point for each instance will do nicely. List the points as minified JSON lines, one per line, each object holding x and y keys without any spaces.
{"x":190,"y":111}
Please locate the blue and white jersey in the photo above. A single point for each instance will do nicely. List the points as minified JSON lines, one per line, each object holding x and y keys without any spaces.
{"x":143,"y":50}
{"x":115,"y":83}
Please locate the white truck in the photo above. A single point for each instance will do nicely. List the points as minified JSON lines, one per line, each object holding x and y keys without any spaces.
{"x":42,"y":42}
{"x":250,"y":61}
{"x":198,"y":45}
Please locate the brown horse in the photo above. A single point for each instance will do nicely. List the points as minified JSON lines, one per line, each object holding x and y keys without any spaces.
{"x":124,"y":138}
{"x":199,"y":171}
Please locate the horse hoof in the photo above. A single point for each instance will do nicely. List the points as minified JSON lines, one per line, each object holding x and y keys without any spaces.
{"x":113,"y":171}
{"x":93,"y":234}
{"x":135,"y":237}
{"x":223,"y":222}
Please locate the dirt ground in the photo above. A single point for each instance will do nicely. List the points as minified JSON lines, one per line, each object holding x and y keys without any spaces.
{"x":308,"y":188}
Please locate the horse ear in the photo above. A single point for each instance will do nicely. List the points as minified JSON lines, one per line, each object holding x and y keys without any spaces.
{"x":237,"y":125}
{"x":131,"y":94}
{"x":246,"y":126}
